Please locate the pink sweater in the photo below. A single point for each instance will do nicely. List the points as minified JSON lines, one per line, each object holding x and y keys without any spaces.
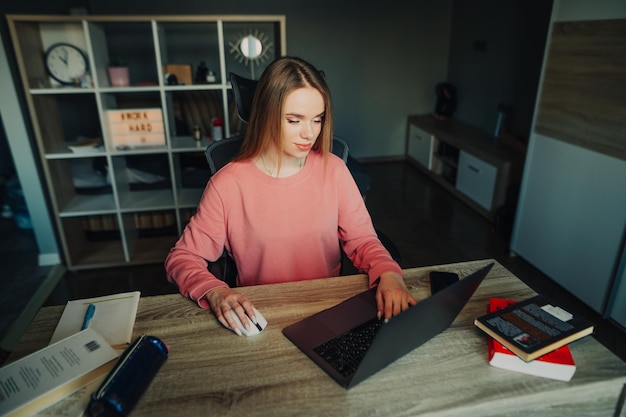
{"x":277,"y":229}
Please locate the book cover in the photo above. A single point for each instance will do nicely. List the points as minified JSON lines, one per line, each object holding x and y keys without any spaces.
{"x":113,"y":318}
{"x":43,"y":378}
{"x":75,"y":404}
{"x":534,"y":327}
{"x":558,"y":364}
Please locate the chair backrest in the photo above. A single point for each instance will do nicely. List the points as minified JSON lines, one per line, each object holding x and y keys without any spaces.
{"x":243,"y":91}
{"x":340,"y":148}
{"x":221,"y":152}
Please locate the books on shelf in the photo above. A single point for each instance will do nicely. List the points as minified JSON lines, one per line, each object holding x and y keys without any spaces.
{"x":534,"y":327}
{"x":558,"y":364}
{"x":48,"y":375}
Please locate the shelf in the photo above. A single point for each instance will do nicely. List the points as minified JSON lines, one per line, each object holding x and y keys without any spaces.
{"x":93,"y":245}
{"x":466,"y":161}
{"x":63,"y":118}
{"x":144,"y":200}
{"x":131,"y":43}
{"x":148,"y":249}
{"x":140,"y":150}
{"x":61,"y":90}
{"x":63,"y":152}
{"x":149,"y":235}
{"x":195,"y":87}
{"x":82,"y":205}
{"x":189,"y":197}
{"x":143,"y":167}
{"x":446,"y":160}
{"x":186,"y":44}
{"x":130,"y":89}
{"x":189,"y":144}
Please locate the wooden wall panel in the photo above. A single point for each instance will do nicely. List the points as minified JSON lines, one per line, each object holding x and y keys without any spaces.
{"x":583,"y":100}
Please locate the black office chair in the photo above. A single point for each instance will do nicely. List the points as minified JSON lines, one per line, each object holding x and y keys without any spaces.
{"x":243,"y":92}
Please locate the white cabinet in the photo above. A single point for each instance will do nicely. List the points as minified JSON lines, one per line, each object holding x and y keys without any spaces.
{"x":116,"y":205}
{"x":476,"y":179}
{"x":419,"y":146}
{"x":468,"y":162}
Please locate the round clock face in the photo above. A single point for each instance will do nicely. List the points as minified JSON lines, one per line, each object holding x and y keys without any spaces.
{"x":65,"y":63}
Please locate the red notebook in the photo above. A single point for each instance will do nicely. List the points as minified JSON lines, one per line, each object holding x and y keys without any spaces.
{"x":558,"y":364}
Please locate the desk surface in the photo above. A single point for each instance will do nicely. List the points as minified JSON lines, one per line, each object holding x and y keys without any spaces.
{"x":211,"y":371}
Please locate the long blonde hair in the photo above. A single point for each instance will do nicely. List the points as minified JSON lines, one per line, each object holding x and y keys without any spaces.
{"x":280,"y":78}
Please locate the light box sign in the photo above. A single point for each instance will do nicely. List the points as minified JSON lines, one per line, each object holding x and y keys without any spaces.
{"x":131,"y":128}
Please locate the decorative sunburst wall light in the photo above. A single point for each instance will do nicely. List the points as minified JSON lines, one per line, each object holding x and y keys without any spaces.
{"x":251,"y":48}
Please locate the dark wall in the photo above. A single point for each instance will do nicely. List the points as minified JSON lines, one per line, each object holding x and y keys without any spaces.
{"x":26,"y":7}
{"x":383,"y":61}
{"x":496,"y":53}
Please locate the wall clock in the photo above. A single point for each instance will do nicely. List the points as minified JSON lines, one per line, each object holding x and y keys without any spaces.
{"x":65,"y":63}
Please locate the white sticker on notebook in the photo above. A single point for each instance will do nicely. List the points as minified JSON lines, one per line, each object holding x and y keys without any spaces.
{"x":557,"y":312}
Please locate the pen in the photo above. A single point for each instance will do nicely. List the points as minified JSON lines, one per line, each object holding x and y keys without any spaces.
{"x":91,"y":309}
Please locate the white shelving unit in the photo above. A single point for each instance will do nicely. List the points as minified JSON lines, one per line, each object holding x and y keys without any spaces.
{"x":116,"y":206}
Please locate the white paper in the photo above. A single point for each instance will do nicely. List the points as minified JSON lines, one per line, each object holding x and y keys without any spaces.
{"x":558,"y":312}
{"x":114,"y":317}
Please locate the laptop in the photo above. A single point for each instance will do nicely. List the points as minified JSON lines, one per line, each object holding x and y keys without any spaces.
{"x":323,"y":337}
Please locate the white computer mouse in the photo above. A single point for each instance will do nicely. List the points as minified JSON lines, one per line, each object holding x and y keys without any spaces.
{"x":254,"y":328}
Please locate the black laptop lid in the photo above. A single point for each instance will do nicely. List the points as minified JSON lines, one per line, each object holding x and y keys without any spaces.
{"x":400,"y":335}
{"x":418,"y":324}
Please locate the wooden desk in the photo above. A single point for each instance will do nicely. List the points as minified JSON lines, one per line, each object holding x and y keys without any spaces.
{"x":211,"y":371}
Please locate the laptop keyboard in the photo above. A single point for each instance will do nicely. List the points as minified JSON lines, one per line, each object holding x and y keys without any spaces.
{"x":345,"y":352}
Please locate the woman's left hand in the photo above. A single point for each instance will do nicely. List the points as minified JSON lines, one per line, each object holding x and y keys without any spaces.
{"x":392,"y":296}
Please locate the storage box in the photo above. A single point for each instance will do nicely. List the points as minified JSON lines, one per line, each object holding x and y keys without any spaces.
{"x":182,"y":72}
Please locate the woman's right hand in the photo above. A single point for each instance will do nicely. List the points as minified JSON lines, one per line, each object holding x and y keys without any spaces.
{"x":225,"y":301}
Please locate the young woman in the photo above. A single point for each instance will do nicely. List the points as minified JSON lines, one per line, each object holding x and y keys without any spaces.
{"x":285,"y":207}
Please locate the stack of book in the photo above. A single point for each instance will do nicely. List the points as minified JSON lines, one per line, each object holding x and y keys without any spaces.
{"x":532,"y":337}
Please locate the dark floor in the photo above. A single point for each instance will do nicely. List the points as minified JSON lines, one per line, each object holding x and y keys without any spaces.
{"x":428,"y":224}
